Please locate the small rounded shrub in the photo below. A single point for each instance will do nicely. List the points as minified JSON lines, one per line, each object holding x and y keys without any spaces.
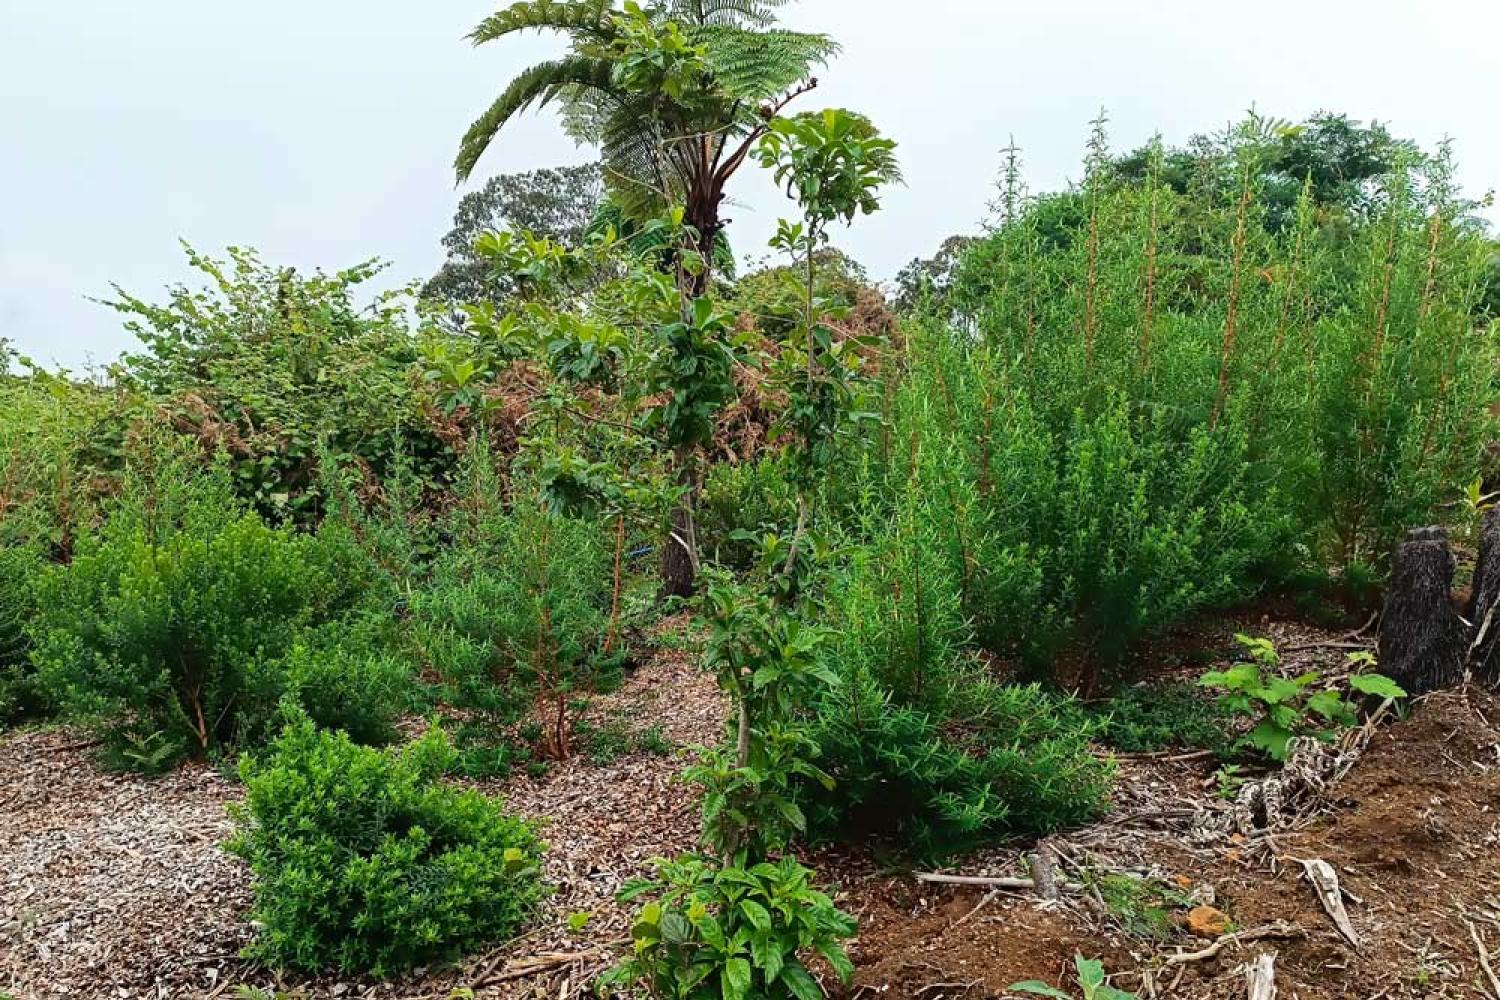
{"x":365,"y":862}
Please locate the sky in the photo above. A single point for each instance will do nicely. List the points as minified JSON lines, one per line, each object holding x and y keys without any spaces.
{"x":322,"y":132}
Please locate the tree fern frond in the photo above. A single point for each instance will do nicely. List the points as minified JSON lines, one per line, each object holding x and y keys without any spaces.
{"x":744,"y":13}
{"x":756,"y":65}
{"x":537,"y":84}
{"x":570,"y":16}
{"x":637,"y":172}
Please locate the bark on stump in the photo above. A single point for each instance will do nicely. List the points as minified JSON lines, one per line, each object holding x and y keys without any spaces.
{"x":1484,"y":605}
{"x":1422,"y":638}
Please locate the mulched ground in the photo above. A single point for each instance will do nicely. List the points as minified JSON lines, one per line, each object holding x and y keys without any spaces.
{"x":115,"y":887}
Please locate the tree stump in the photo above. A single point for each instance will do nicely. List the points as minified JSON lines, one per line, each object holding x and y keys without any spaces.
{"x":1484,"y":605}
{"x":1422,"y":638}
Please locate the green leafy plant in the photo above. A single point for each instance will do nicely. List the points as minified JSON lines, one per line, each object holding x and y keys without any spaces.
{"x":1144,"y":907}
{"x":1288,"y":707}
{"x":767,"y":661}
{"x":181,"y":629}
{"x":364,"y":862}
{"x":717,"y":931}
{"x":1092,"y":984}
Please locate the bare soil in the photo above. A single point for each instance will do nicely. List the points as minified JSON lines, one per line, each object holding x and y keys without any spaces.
{"x":115,"y":887}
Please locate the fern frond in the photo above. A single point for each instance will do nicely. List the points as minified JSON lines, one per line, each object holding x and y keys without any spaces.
{"x":743,"y":13}
{"x":570,"y":16}
{"x":637,"y":171}
{"x":539,"y":84}
{"x":755,"y":65}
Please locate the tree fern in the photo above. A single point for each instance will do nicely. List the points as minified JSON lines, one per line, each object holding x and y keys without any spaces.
{"x":757,"y":65}
{"x":536,"y":85}
{"x":583,"y":17}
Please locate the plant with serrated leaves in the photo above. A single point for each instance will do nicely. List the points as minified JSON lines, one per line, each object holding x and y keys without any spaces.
{"x":719,"y":931}
{"x":1092,"y":984}
{"x":1287,"y":707}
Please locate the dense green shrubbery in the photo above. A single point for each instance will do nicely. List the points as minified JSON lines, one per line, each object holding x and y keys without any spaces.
{"x":515,"y":613}
{"x":270,"y":366}
{"x":363,"y":861}
{"x":181,"y":622}
{"x":1138,"y":402}
{"x":1341,"y":349}
{"x":20,"y":566}
{"x":925,"y":747}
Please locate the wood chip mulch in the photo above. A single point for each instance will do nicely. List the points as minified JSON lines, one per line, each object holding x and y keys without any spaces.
{"x":115,"y":886}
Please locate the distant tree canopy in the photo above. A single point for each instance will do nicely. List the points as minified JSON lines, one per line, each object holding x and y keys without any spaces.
{"x":1339,"y":159}
{"x":556,"y":202}
{"x":1342,"y":162}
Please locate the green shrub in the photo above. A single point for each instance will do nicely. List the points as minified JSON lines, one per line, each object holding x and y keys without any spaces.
{"x":343,"y":674}
{"x":720,"y":931}
{"x":20,"y":567}
{"x":924,"y":747}
{"x":164,"y":627}
{"x":516,"y":614}
{"x":744,"y":499}
{"x":987,"y":761}
{"x":364,"y":862}
{"x":1147,"y":718}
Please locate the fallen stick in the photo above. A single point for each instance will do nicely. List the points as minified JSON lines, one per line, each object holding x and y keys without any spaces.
{"x":992,"y":881}
{"x":1279,"y":929}
{"x":538,"y":964}
{"x":1337,"y":641}
{"x":1484,"y":956}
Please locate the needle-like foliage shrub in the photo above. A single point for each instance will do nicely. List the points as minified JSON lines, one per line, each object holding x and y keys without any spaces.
{"x":516,"y":612}
{"x":183,"y":619}
{"x":926,"y":748}
{"x":1138,"y":400}
{"x":365,"y":862}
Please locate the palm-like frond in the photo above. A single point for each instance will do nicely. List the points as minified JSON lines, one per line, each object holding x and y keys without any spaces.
{"x":539,"y":85}
{"x":755,"y":65}
{"x":755,"y":13}
{"x":591,"y":17}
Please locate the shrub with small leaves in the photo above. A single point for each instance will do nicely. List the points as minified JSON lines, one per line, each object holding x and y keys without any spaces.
{"x":365,"y":862}
{"x":714,"y":931}
{"x":1147,"y":718}
{"x":162,"y":632}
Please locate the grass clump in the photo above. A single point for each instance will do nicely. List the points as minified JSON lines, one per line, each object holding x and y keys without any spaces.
{"x":364,"y":862}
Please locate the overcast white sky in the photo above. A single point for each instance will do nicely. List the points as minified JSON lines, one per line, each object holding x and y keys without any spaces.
{"x":321,"y":131}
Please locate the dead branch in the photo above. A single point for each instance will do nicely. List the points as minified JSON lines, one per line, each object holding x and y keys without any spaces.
{"x":992,"y":881}
{"x":1484,"y":956}
{"x":1260,"y":977}
{"x":1279,"y":929}
{"x":1325,"y":882}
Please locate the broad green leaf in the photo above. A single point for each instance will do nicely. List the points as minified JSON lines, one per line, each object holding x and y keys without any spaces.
{"x":1038,"y":988}
{"x":735,"y":979}
{"x":1378,"y":685}
{"x":801,"y":982}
